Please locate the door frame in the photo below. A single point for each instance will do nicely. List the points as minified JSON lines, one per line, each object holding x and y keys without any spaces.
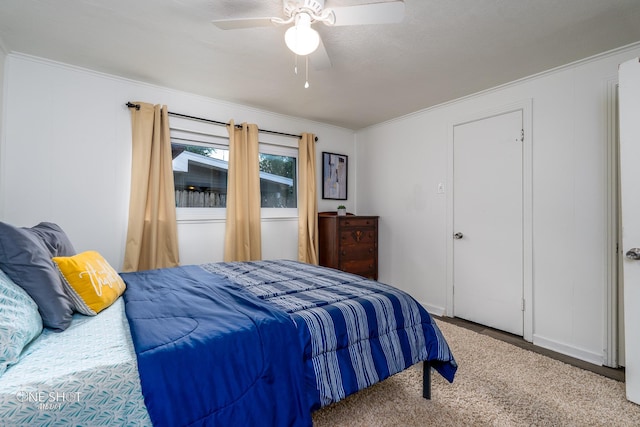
{"x":527,"y":209}
{"x":612,"y":353}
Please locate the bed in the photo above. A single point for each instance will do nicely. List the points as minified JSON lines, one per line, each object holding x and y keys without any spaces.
{"x":85,"y":376}
{"x":264,"y":342}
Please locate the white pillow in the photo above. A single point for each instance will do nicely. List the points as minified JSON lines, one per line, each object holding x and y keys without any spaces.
{"x":20,"y":321}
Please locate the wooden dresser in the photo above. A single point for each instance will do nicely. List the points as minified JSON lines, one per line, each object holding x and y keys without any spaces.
{"x":349,"y":243}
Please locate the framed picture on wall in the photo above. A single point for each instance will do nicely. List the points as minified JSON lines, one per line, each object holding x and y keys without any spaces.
{"x":334,"y":176}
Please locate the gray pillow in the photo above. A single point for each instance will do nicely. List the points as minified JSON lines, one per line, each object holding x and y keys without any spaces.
{"x":25,"y":256}
{"x":54,"y":239}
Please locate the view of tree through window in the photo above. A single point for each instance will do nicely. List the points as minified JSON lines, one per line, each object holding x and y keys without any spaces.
{"x":203,"y":151}
{"x":200,"y":177}
{"x":278,"y":181}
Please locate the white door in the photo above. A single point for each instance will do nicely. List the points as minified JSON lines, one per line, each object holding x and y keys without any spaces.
{"x":488,"y":221}
{"x":629,"y":80}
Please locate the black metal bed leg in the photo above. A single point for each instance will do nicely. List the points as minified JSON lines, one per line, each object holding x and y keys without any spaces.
{"x":426,"y":380}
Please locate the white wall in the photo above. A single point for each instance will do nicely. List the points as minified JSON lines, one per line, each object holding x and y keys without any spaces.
{"x":401,"y":162}
{"x":67,"y":157}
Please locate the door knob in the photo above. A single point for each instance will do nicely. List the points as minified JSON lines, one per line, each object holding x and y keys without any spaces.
{"x":458,"y":235}
{"x":633,"y":253}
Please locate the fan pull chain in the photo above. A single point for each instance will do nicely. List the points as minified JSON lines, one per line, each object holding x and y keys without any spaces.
{"x":306,"y":65}
{"x":306,"y":83}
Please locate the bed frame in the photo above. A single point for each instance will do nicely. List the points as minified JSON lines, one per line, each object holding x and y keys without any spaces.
{"x":426,"y":380}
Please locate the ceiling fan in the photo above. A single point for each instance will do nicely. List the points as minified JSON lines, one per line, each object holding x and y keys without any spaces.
{"x":304,"y":40}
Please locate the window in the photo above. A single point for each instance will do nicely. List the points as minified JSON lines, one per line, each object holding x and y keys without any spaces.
{"x":200,"y":177}
{"x":278,"y":181}
{"x":200,"y":152}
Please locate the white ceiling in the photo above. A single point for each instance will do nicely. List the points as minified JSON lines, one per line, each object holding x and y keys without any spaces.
{"x":443,"y":50}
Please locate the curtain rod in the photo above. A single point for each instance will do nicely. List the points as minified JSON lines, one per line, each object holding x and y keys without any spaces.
{"x":184,"y":116}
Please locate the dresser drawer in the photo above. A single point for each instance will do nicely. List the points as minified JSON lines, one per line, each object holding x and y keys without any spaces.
{"x":357,"y":222}
{"x":366,"y":268}
{"x":358,"y":236}
{"x":358,"y":252}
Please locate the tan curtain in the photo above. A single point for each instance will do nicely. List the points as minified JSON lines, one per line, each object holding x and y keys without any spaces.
{"x":152,"y":238}
{"x":242,"y":240}
{"x":307,"y":201}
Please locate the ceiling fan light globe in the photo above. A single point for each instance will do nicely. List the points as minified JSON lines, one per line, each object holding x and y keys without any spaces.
{"x":302,"y":39}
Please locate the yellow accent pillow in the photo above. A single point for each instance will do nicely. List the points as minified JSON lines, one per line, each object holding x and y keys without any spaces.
{"x":90,"y":281}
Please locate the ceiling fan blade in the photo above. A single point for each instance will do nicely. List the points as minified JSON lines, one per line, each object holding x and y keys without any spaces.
{"x":390,"y":12}
{"x":239,"y":24}
{"x":320,"y":58}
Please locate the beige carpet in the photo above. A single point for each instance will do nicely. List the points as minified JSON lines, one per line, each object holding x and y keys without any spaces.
{"x":497,"y":384}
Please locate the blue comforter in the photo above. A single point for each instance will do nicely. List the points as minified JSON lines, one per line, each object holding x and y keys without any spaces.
{"x":209,"y":353}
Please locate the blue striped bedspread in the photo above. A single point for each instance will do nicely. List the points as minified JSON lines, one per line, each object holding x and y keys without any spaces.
{"x":354,"y":332}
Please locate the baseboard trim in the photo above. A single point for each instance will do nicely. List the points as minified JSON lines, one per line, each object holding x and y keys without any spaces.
{"x":586,"y":363}
{"x":575,"y":352}
{"x":434,"y":309}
